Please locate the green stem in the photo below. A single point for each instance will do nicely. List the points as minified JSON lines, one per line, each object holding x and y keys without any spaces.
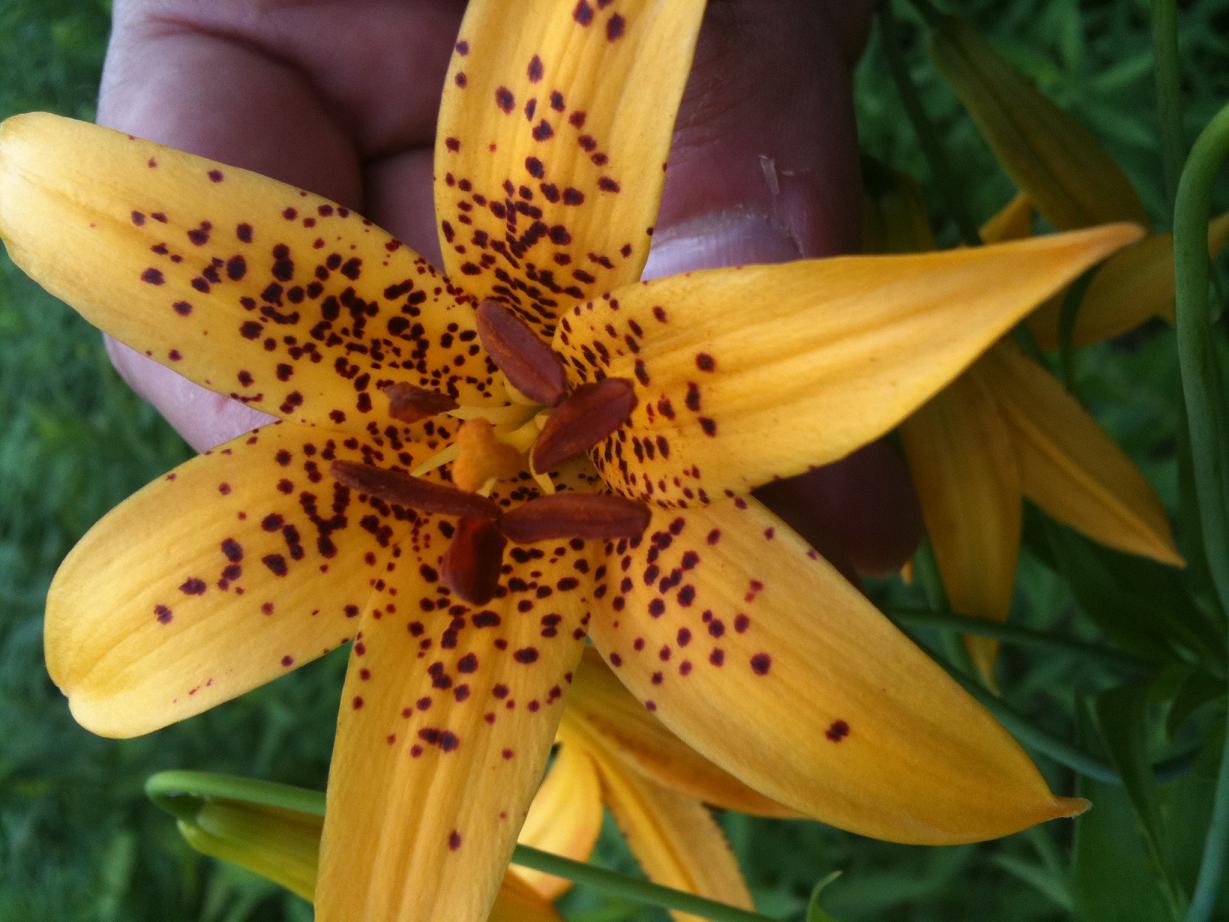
{"x":182,"y":793}
{"x":940,"y":170}
{"x":1067,"y":318}
{"x":1208,"y":425}
{"x":1010,"y":633}
{"x":1168,"y":93}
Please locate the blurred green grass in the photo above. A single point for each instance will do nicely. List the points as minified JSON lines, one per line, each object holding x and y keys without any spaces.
{"x":78,"y":841}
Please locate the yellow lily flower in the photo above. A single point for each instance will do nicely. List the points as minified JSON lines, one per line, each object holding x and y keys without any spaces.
{"x":1071,"y":180}
{"x":612,"y":751}
{"x":268,"y":551}
{"x":1005,"y":430}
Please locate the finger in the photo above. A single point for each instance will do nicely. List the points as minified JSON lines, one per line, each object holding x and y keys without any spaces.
{"x":297,"y":92}
{"x":764,"y":168}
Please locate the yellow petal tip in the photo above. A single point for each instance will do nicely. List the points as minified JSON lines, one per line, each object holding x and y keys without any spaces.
{"x":1070,"y":807}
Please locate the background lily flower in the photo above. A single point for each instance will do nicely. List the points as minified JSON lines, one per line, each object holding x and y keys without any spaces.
{"x":1065,"y":173}
{"x":251,"y":560}
{"x":612,"y":751}
{"x":1005,"y":430}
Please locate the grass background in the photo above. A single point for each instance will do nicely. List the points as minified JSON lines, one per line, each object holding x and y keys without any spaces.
{"x":78,"y":841}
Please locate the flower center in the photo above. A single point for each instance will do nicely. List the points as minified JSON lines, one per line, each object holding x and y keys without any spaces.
{"x":550,"y":426}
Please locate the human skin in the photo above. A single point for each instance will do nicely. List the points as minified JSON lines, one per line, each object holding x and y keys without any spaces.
{"x":341,"y":96}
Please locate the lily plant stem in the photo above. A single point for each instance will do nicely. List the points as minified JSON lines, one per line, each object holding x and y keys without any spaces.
{"x":1168,"y":94}
{"x":183,"y":793}
{"x":1021,"y":636}
{"x":1203,"y":387}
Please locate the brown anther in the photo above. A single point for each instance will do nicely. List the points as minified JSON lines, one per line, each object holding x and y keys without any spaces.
{"x":591,"y":413}
{"x":481,"y":456}
{"x":412,"y":492}
{"x":411,"y":404}
{"x":529,"y":364}
{"x":576,"y":515}
{"x":471,"y":564}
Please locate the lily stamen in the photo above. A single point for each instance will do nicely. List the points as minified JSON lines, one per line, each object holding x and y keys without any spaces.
{"x":590,"y":413}
{"x":411,"y":404}
{"x":412,"y":492}
{"x":576,"y":515}
{"x":471,"y":565}
{"x":529,"y":364}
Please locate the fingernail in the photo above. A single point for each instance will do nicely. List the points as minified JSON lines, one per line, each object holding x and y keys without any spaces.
{"x":723,"y":238}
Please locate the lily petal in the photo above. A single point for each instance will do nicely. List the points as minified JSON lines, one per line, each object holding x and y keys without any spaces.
{"x":675,"y":839}
{"x":565,"y":817}
{"x":255,"y":289}
{"x":226,"y":573}
{"x":1014,"y":221}
{"x":1070,"y":467}
{"x":1131,"y":288}
{"x":1049,"y":155}
{"x":447,"y":720}
{"x":630,"y":734}
{"x":554,"y":128}
{"x":517,"y":902}
{"x":837,"y":352}
{"x":962,"y":463}
{"x":781,"y":672}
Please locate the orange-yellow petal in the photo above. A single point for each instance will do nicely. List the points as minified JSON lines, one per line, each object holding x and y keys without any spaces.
{"x":255,"y":289}
{"x":607,"y":711}
{"x":1070,"y":467}
{"x":1014,"y":221}
{"x":447,"y":720}
{"x":1052,"y":158}
{"x":1131,"y":288}
{"x":517,"y":902}
{"x":756,"y":652}
{"x":675,"y":838}
{"x":565,"y":817}
{"x":748,"y":374}
{"x":228,"y":572}
{"x":551,"y":147}
{"x":965,"y":473}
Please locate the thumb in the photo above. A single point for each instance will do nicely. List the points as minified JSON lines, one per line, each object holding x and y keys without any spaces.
{"x":764,"y":168}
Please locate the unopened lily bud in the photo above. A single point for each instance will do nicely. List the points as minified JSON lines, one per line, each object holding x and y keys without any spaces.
{"x":1050,"y":156}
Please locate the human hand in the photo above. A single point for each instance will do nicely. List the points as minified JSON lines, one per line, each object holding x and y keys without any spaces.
{"x":340,"y":97}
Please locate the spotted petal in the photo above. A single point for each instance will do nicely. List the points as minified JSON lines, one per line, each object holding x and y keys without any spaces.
{"x":233,"y":569}
{"x":675,"y":839}
{"x":607,"y":712}
{"x":962,"y":464}
{"x":551,"y":147}
{"x":255,"y":289}
{"x":781,"y":672}
{"x":447,"y":719}
{"x":1070,"y":467}
{"x":565,"y":817}
{"x":745,"y":375}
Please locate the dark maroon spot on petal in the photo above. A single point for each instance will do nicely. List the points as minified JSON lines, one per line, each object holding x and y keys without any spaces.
{"x":575,"y":515}
{"x":244,"y":232}
{"x":138,"y":218}
{"x":615,"y":26}
{"x":460,"y":79}
{"x":454,"y":840}
{"x":543,"y":131}
{"x":215,"y":175}
{"x":573,"y":196}
{"x":233,"y":550}
{"x":837,"y":731}
{"x":606,"y":184}
{"x":276,"y":564}
{"x":357,"y":702}
{"x":741,"y":623}
{"x":534,"y":71}
{"x":412,"y":404}
{"x":708,"y":425}
{"x":193,"y":586}
{"x":288,"y":661}
{"x":535,"y":167}
{"x":591,"y":413}
{"x":163,"y":614}
{"x":462,"y":48}
{"x":504,"y":99}
{"x":583,"y":13}
{"x":530,"y":364}
{"x":705,"y":362}
{"x":182,"y":308}
{"x":761,"y":663}
{"x":717,"y":657}
{"x":290,"y":214}
{"x":468,"y":663}
{"x":152,"y":276}
{"x":453,"y":144}
{"x":526,"y":655}
{"x":200,"y":235}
